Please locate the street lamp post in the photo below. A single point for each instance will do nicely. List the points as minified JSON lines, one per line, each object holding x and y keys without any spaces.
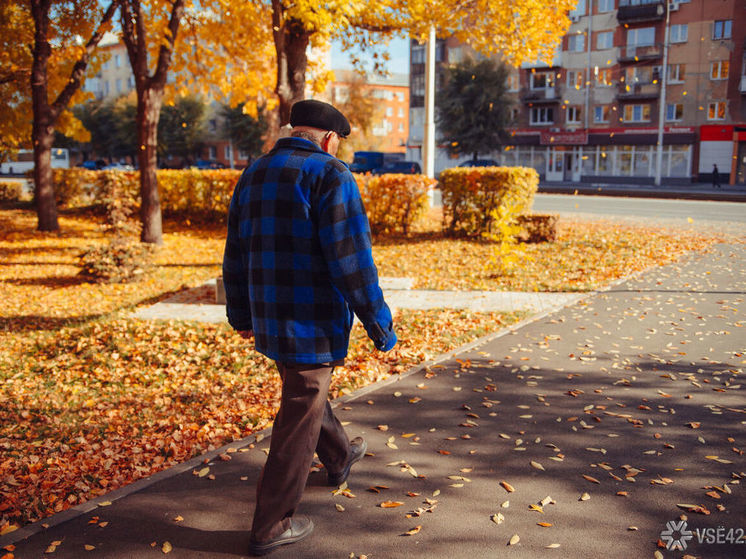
{"x":428,"y":144}
{"x":662,"y":103}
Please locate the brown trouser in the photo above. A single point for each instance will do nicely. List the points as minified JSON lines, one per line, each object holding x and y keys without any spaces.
{"x":305,"y":423}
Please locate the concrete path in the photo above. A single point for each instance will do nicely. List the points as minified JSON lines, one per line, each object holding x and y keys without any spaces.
{"x":198,"y":304}
{"x":591,"y":432}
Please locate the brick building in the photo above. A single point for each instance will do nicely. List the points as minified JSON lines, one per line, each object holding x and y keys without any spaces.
{"x":592,"y":114}
{"x":391,"y":128}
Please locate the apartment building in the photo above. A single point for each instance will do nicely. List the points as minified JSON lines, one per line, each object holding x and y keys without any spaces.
{"x":391,"y":93}
{"x":593,"y":113}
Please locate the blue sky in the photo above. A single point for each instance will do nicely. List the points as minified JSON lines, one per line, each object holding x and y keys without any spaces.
{"x":398,"y":50}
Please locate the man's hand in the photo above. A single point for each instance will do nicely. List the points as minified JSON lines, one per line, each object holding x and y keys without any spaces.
{"x":246,"y":334}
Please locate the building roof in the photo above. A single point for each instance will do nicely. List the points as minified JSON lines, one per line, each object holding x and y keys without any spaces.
{"x":396,"y":80}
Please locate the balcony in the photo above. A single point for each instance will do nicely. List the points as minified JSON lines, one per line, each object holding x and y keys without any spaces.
{"x":742,"y":88}
{"x":639,"y":11}
{"x":635,"y":53}
{"x":540,"y":96}
{"x":638,"y":91}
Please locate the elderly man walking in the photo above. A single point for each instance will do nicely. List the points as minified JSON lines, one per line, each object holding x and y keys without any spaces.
{"x":297,"y":265}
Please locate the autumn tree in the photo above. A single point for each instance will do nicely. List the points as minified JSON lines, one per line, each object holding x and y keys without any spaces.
{"x":243,"y":130}
{"x":355,"y":99}
{"x":45,"y":49}
{"x":520,"y":31}
{"x":181,"y":130}
{"x":474,"y":106}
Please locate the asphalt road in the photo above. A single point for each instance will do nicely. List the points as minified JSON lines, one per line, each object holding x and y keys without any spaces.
{"x":642,"y":208}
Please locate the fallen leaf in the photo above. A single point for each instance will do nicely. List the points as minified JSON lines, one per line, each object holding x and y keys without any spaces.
{"x":166,"y":547}
{"x":413,"y":531}
{"x":585,"y":497}
{"x":88,"y":547}
{"x":552,"y":546}
{"x":514,"y":539}
{"x":591,"y":479}
{"x":390,"y":504}
{"x":537,"y":465}
{"x":544,"y":524}
{"x":339,"y":507}
{"x":509,"y":488}
{"x":497,"y":518}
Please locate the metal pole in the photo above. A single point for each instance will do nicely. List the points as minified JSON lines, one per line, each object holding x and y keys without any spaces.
{"x":662,"y":108}
{"x":588,"y":69}
{"x":428,"y":144}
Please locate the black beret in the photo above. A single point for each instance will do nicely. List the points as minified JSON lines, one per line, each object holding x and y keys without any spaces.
{"x":318,"y":114}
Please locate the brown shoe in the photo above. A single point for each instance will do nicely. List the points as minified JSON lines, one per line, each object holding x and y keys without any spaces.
{"x":300,"y":527}
{"x":358,"y":446}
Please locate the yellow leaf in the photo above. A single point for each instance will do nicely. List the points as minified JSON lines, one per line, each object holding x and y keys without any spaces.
{"x":509,"y":488}
{"x":413,"y":531}
{"x":167,"y":547}
{"x":89,"y":547}
{"x":514,"y":539}
{"x":390,"y":504}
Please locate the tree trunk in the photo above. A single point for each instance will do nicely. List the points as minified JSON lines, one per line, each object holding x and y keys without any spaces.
{"x":46,"y":206}
{"x":42,"y":131}
{"x":148,"y":113}
{"x":291,"y":41}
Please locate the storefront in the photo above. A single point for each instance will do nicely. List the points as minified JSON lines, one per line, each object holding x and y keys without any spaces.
{"x":724,"y":146}
{"x":612,"y":155}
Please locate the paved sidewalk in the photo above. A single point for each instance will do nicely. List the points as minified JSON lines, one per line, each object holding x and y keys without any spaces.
{"x":691,"y":191}
{"x":397,"y":291}
{"x":617,"y":413}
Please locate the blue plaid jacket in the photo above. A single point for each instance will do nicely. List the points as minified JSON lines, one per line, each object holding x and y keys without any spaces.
{"x":298,"y":259}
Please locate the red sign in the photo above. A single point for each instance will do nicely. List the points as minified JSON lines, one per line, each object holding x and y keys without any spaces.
{"x":564,"y":138}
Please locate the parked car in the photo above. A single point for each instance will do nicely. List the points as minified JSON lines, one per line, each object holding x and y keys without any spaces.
{"x":207,"y":164}
{"x":480,"y":163}
{"x":405,"y":167}
{"x":370,"y":161}
{"x":93,"y":164}
{"x":118,"y":167}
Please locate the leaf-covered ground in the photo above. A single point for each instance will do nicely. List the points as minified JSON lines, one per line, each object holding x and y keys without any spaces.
{"x":91,"y":400}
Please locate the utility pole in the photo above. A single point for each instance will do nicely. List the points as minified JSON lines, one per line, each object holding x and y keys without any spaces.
{"x":428,"y":143}
{"x":662,"y":103}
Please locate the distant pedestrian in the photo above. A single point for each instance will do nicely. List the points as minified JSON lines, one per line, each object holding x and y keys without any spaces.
{"x":297,"y":264}
{"x":715,"y":177}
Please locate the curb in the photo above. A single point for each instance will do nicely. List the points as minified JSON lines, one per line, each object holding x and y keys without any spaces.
{"x":611,"y":190}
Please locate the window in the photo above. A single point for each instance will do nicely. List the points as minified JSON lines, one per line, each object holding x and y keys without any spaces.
{"x":117,"y":60}
{"x":603,"y":77}
{"x":642,"y":37}
{"x":119,"y":85}
{"x":213,"y":125}
{"x":575,"y":79}
{"x":401,"y":127}
{"x":716,"y":110}
{"x":455,"y":55}
{"x":513,"y":82}
{"x":722,"y":29}
{"x":418,"y":54}
{"x":719,"y":70}
{"x":605,"y":40}
{"x":243,"y":154}
{"x":131,"y":82}
{"x":227,"y":152}
{"x":637,"y":113}
{"x":601,"y":113}
{"x":106,"y":87}
{"x":573,"y":115}
{"x":605,"y":5}
{"x":212,"y":152}
{"x":679,"y":33}
{"x":676,"y":73}
{"x":638,"y":75}
{"x":389,"y":111}
{"x":542,"y":80}
{"x":542,"y":115}
{"x":400,"y":96}
{"x":674,"y":111}
{"x":579,"y":9}
{"x":401,"y":112}
{"x":513,"y":114}
{"x":576,"y":43}
{"x":418,"y":84}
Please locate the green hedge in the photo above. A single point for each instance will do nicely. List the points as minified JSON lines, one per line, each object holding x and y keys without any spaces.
{"x":474,"y":197}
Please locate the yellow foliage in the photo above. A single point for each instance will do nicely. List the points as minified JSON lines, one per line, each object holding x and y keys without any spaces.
{"x":393,"y":202}
{"x":473,"y":196}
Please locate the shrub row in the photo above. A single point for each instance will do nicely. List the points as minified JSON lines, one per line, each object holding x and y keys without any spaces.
{"x":475,"y":198}
{"x":10,"y":191}
{"x":393,"y":202}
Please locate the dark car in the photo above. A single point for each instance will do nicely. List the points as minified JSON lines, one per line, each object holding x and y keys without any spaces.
{"x":207,"y":164}
{"x":92,"y":165}
{"x":480,"y":163}
{"x":405,"y":167}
